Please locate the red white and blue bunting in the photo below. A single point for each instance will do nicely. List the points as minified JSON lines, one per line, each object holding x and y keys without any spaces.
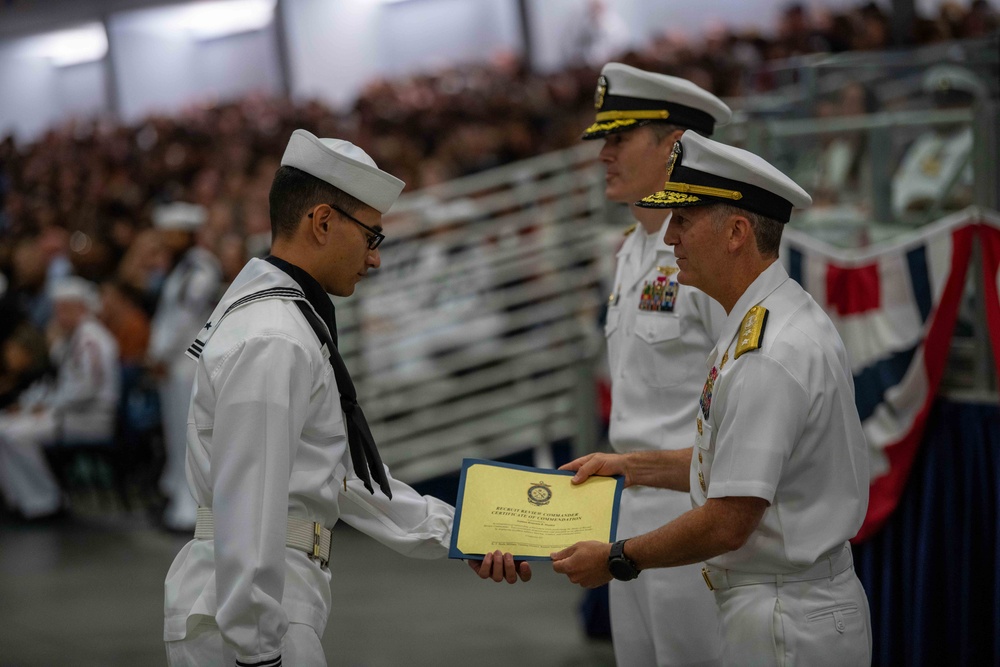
{"x":895,"y":306}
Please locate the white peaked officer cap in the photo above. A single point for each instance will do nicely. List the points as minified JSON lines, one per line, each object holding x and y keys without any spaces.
{"x":179,"y":215}
{"x":627,"y":97}
{"x":702,"y":172}
{"x":344,"y":166}
{"x":950,"y":79}
{"x":75,"y":288}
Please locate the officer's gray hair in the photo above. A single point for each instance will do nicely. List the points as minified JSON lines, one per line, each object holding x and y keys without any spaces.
{"x":766,"y":231}
{"x":663,"y":130}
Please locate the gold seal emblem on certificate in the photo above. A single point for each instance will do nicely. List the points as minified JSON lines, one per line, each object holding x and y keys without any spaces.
{"x":602,"y":89}
{"x":539,"y":493}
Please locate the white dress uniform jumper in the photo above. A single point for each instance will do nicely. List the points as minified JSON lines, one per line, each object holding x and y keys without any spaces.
{"x":276,"y":438}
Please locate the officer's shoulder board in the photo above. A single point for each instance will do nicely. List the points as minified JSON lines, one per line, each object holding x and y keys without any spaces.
{"x":631,"y":229}
{"x":751,"y":330}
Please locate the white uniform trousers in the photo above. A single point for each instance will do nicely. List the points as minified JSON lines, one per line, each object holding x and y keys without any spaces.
{"x":27,"y":483}
{"x":175,"y":400}
{"x":667,"y":616}
{"x":821,"y":623}
{"x":204,"y":647}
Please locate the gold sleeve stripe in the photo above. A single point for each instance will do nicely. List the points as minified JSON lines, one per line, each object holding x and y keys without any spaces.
{"x":703,"y":190}
{"x":656,"y":114}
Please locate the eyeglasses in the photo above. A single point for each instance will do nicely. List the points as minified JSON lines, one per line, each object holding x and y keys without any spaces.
{"x":375,"y":237}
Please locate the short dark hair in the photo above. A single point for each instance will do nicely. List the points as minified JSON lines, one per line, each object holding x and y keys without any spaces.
{"x":293,"y":192}
{"x":766,"y":231}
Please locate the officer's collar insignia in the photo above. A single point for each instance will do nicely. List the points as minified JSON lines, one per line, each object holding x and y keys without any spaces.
{"x":751,"y":331}
{"x":675,"y":154}
{"x":602,"y":90}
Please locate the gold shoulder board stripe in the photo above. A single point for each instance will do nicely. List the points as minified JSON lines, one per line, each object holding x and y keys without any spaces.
{"x":631,"y":228}
{"x":751,"y":331}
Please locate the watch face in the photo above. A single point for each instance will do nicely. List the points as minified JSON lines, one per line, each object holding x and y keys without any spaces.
{"x":619,"y":565}
{"x":622,"y":570}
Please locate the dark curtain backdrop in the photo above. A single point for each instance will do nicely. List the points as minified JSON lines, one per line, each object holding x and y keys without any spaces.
{"x":932,"y":573}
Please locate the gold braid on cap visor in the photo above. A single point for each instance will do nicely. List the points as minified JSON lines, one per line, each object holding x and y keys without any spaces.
{"x":613,"y":120}
{"x":609,"y":126}
{"x":683,"y":193}
{"x":658,"y":114}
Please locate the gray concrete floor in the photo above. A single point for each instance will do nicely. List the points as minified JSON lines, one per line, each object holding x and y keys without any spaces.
{"x":88,"y":591}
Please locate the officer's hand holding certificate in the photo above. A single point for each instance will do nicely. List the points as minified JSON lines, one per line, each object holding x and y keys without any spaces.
{"x":529,"y":512}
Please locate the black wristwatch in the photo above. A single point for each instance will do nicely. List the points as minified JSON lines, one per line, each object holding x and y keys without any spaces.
{"x":621,"y":566}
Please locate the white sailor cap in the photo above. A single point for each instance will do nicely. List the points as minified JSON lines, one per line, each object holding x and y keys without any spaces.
{"x":344,"y":166}
{"x":701,"y":172}
{"x":627,"y":96}
{"x":75,"y":288}
{"x":950,"y":79}
{"x":179,"y":215}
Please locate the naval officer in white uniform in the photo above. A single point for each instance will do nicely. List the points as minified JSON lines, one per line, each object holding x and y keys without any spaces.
{"x":658,"y":335}
{"x":778,"y":474}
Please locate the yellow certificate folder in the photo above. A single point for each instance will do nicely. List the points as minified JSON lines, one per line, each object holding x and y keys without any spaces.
{"x":530,"y":512}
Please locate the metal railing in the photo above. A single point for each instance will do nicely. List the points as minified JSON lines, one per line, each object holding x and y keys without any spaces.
{"x":477,"y":337}
{"x":862,"y":211}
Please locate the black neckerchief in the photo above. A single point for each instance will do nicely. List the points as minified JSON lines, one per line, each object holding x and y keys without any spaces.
{"x":364,"y":453}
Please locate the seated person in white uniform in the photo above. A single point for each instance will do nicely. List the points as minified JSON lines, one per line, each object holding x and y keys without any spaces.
{"x":81,"y":407}
{"x":278,"y":448}
{"x":936,"y":170}
{"x":778,"y":471}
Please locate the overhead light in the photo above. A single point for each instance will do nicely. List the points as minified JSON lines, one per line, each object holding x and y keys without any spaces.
{"x":220,"y":18}
{"x":75,"y":46}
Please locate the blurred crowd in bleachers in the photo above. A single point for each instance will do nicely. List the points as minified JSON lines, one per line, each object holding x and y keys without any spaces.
{"x":81,"y":200}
